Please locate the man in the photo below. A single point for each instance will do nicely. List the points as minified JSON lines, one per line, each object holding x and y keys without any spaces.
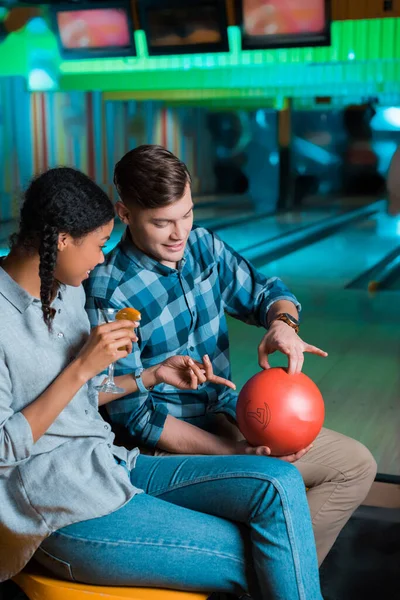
{"x":184,"y":279}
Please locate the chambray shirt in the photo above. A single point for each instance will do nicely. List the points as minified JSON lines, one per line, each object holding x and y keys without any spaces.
{"x":183,"y":312}
{"x":71,"y":473}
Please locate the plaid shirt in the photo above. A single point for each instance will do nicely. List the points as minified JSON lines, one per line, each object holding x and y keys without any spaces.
{"x":183,"y":312}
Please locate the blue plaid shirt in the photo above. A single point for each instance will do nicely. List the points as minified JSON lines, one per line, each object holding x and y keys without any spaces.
{"x":183,"y":312}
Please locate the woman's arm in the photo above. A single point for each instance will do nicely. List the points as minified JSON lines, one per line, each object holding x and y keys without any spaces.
{"x":100,"y":350}
{"x":43,"y":411}
{"x":128,"y":384}
{"x":180,"y":371}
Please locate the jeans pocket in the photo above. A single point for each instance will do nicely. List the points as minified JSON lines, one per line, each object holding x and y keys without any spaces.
{"x":55,"y":565}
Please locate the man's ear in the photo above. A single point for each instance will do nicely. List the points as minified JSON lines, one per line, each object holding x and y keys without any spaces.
{"x":122,"y":212}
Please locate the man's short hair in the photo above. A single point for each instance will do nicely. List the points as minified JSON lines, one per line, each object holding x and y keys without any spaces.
{"x":150,"y":177}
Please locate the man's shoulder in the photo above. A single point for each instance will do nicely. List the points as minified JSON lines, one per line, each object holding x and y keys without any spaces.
{"x":201,"y":239}
{"x":106,"y":277}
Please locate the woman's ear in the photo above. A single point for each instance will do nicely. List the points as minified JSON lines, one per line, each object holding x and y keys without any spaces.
{"x":122,"y":212}
{"x":63,"y":240}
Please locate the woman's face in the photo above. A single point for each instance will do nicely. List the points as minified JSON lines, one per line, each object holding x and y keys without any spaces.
{"x":77,"y":257}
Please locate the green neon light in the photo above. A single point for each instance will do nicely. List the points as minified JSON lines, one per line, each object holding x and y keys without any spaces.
{"x":364,"y":59}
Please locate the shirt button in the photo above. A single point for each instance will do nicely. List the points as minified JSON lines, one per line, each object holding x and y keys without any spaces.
{"x":86,"y":412}
{"x":60,"y":335}
{"x":109,"y":445}
{"x":105,"y":426}
{"x":191,"y":348}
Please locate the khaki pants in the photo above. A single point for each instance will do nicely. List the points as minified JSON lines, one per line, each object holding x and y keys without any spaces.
{"x":338,"y":472}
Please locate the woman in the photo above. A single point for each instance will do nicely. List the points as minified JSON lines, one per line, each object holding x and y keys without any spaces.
{"x":94,"y":512}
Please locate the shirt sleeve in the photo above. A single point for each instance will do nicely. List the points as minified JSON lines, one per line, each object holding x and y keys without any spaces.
{"x":138,"y":413}
{"x":226,"y":404}
{"x":246,"y":293}
{"x":16,"y":440}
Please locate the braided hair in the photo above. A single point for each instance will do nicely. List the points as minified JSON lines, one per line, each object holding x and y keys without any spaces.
{"x":61,"y":200}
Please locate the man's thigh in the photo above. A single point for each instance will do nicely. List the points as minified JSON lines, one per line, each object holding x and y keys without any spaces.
{"x":330,"y":458}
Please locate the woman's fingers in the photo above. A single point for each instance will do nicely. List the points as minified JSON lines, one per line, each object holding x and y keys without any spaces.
{"x":221,"y":381}
{"x":197,"y":371}
{"x":115,"y":325}
{"x":193,"y":380}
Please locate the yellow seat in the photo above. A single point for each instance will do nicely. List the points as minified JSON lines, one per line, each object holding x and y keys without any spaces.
{"x":39,"y":585}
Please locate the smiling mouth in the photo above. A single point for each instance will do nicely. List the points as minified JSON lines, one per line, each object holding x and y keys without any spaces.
{"x":175,"y":246}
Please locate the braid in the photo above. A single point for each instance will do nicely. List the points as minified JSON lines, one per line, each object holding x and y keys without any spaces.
{"x":48,"y":259}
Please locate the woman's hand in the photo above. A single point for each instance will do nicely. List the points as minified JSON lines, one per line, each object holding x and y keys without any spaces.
{"x":186,"y":374}
{"x":106,"y":344}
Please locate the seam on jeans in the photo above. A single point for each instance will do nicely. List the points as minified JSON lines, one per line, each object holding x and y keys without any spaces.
{"x":284,"y":502}
{"x":205,"y":478}
{"x":147,"y":543}
{"x":59,"y":561}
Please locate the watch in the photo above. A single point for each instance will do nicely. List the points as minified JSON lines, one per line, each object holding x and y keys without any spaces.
{"x":139,"y":381}
{"x":288,"y":319}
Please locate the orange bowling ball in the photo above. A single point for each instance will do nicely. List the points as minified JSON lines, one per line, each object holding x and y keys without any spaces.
{"x":284,"y":412}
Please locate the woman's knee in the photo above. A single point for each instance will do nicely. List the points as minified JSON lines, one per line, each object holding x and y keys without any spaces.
{"x":278,"y":472}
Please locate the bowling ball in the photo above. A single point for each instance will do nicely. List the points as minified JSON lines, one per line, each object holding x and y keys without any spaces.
{"x":284,"y":412}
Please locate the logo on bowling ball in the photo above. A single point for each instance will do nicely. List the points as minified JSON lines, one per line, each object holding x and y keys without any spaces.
{"x":262,"y":415}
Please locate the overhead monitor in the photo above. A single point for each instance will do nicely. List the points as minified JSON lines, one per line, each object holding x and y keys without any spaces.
{"x":284,"y":23}
{"x":183,"y":26}
{"x":94,"y":30}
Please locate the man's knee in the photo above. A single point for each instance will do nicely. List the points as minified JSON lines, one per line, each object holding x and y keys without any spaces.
{"x":361,"y":464}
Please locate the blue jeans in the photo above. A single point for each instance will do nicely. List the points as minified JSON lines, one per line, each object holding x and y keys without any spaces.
{"x":205,"y":523}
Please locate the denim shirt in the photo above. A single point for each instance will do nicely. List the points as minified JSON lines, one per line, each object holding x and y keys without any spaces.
{"x":71,"y":473}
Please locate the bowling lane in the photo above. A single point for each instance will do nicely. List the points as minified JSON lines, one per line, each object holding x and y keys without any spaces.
{"x":340,"y":258}
{"x":244,"y":235}
{"x":394,"y":285}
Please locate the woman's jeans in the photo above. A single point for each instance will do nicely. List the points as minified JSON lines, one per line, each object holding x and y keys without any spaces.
{"x":205,"y":523}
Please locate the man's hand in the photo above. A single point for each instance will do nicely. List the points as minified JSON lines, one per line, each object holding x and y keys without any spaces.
{"x":243,"y":447}
{"x":283,"y":338}
{"x":186,"y":374}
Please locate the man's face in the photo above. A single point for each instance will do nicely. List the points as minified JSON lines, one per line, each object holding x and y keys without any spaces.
{"x":161,"y":233}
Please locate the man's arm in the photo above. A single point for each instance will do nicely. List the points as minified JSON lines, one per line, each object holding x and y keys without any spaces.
{"x":255,"y":299}
{"x":282,"y":306}
{"x":247,"y":294}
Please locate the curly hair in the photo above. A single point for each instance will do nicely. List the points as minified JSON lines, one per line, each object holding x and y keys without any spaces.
{"x":150,"y":176}
{"x":61,"y":200}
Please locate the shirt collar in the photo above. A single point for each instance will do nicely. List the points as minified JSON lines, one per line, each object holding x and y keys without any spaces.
{"x":13,"y":292}
{"x":16,"y":295}
{"x":143,"y":260}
